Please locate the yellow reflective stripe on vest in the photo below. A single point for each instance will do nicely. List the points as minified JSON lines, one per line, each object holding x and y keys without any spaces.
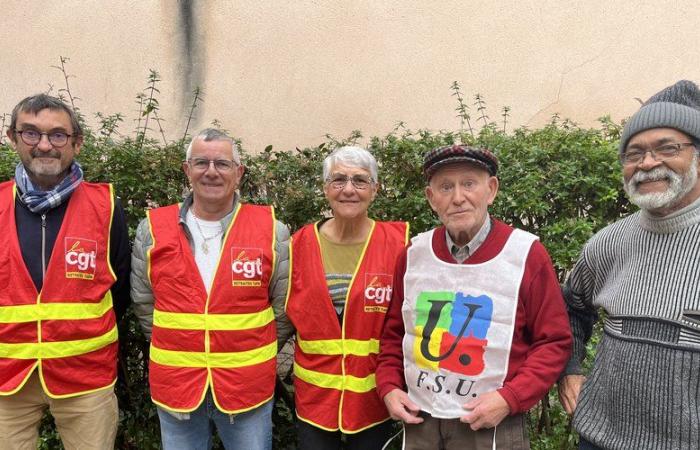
{"x":187,"y":321}
{"x":55,"y":311}
{"x":339,"y":382}
{"x":229,"y":360}
{"x":60,"y":349}
{"x":335,"y":347}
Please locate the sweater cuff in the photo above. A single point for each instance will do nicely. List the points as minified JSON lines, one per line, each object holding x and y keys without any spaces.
{"x":386,"y":388}
{"x":573,"y":367}
{"x":510,"y":398}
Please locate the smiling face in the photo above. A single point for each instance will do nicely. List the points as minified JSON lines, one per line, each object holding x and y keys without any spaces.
{"x":213,"y":189}
{"x":45,"y":163}
{"x":662,"y":187}
{"x":349,"y":202}
{"x":460,"y":194}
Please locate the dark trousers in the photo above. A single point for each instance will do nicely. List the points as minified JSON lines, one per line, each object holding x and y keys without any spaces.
{"x":451,"y":434}
{"x":313,"y":438}
{"x":585,"y":445}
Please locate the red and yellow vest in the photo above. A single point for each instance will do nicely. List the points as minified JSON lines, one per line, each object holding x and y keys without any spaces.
{"x":227,"y":339}
{"x":68,"y":330}
{"x":334,"y":366}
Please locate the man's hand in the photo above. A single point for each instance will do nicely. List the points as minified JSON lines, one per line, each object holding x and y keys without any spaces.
{"x":401,"y":407}
{"x":486,"y":411}
{"x":569,"y":387}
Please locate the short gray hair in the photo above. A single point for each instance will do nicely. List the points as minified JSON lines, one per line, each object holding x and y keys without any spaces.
{"x":213,"y":134}
{"x":351,"y":156}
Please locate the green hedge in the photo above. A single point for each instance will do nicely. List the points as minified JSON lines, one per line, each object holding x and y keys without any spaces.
{"x":561,"y":182}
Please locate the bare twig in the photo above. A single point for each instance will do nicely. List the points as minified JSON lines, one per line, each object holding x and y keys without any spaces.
{"x":462,"y":108}
{"x":481,"y":107}
{"x":197,"y":98}
{"x":151,"y":103}
{"x":505,"y":113}
{"x":67,"y":90}
{"x":140,"y":99}
{"x":160,"y":126}
{"x":2,"y":128}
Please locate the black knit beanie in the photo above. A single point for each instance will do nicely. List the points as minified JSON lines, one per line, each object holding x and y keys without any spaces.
{"x":677,"y":106}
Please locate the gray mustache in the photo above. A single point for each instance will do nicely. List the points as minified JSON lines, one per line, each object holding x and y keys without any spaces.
{"x":655,"y":174}
{"x":51,"y":154}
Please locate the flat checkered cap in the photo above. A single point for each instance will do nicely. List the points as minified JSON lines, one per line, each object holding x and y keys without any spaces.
{"x":457,"y":153}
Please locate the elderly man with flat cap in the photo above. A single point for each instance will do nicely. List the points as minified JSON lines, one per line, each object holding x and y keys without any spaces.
{"x":644,"y":272}
{"x":477,"y":331}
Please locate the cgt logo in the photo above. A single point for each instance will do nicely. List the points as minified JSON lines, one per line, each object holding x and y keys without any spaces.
{"x":377,"y":292}
{"x":246,"y":266}
{"x":80,"y":258}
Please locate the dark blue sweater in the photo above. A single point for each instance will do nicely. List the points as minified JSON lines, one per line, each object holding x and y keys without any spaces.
{"x":29,"y":232}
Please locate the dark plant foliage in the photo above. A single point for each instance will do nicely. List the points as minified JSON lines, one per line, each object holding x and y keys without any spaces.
{"x":561,"y":182}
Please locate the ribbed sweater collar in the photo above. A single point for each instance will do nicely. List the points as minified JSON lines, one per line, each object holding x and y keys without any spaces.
{"x":674,"y":222}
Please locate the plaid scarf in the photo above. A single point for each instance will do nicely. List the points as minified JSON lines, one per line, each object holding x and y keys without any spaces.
{"x":39,"y":201}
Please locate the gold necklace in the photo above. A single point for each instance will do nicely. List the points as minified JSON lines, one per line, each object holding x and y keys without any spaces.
{"x":205,"y":239}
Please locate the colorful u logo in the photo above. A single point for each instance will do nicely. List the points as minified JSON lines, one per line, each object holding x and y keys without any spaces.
{"x":451,"y":331}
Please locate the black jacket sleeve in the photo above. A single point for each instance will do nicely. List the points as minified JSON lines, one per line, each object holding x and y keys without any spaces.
{"x":120,"y":259}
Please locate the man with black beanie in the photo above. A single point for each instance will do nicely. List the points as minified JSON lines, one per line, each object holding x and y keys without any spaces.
{"x":644,"y":272}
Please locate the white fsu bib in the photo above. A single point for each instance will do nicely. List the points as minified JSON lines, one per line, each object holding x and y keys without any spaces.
{"x":459,"y":321}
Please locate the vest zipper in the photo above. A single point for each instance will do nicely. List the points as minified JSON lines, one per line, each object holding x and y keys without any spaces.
{"x":43,"y":247}
{"x":43,"y":277}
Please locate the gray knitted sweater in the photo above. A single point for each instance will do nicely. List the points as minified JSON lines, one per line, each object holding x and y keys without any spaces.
{"x":644,"y":389}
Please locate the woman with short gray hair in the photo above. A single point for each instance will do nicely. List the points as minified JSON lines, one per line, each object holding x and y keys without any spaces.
{"x":339,"y":291}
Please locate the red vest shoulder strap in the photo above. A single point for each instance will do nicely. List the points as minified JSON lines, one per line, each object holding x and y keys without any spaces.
{"x":6,"y":195}
{"x":164,"y":212}
{"x":398,"y":230}
{"x":6,"y":185}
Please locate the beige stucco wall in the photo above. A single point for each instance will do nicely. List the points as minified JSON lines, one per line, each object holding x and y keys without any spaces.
{"x":286,"y":73}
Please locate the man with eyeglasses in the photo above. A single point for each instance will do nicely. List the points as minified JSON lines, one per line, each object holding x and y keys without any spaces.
{"x":64,"y":273}
{"x":644,"y":273}
{"x":476,"y":331}
{"x":209,"y":281}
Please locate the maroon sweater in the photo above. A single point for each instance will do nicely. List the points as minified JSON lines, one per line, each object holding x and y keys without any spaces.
{"x":541,"y":338}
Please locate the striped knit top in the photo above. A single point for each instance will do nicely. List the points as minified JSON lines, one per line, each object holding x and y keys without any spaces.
{"x":339,"y":263}
{"x":644,"y":389}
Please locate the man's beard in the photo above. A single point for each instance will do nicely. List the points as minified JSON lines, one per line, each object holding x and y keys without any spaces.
{"x":678,"y":186}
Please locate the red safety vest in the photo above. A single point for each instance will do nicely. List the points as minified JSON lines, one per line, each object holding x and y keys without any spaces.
{"x":334,"y":367}
{"x":68,"y":329}
{"x":226,"y":339}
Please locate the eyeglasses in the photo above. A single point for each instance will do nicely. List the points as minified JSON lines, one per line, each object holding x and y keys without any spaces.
{"x":660,"y":153}
{"x":33,"y":137}
{"x":221,"y":165}
{"x":360,"y":182}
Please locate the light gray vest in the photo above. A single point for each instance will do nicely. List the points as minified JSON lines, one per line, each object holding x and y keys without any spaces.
{"x":459,"y":321}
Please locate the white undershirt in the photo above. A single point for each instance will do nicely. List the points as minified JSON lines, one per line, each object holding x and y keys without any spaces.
{"x":206,"y":263}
